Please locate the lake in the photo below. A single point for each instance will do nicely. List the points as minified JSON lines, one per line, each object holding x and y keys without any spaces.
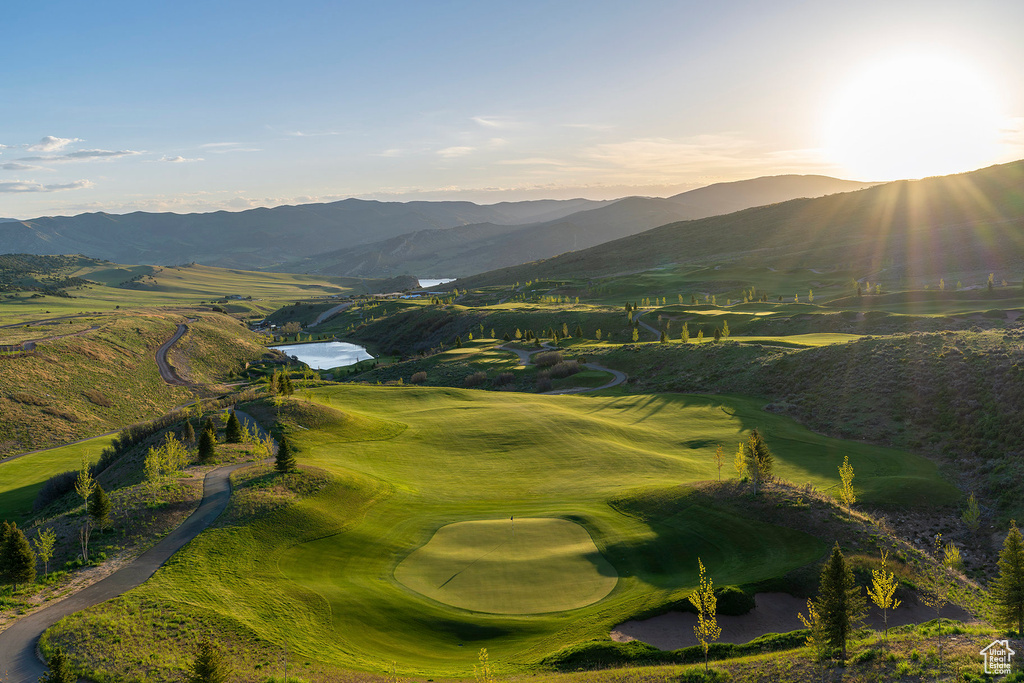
{"x":326,"y":355}
{"x":428,"y":283}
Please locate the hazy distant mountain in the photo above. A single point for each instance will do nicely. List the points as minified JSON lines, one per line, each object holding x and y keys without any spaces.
{"x":460,"y":251}
{"x":929,"y":228}
{"x":259,"y":237}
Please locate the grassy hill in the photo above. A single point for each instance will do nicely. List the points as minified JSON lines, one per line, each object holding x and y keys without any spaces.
{"x":907,"y":232}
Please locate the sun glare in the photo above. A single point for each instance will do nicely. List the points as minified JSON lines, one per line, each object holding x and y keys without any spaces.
{"x":914,"y":116}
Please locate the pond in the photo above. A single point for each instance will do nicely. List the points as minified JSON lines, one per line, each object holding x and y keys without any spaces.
{"x":427,"y":283}
{"x":326,"y":355}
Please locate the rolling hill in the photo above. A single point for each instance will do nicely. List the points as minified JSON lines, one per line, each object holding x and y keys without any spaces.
{"x":468,"y":249}
{"x":905,"y":231}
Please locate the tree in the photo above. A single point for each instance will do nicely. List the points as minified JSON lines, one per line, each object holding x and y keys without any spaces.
{"x":285,"y":461}
{"x":188,"y":433}
{"x":840,"y":605}
{"x":44,"y":542}
{"x":578,"y":332}
{"x":99,"y":508}
{"x":483,"y":673}
{"x":458,"y":342}
{"x":1008,"y":590}
{"x":209,"y":427}
{"x":84,"y":486}
{"x":207,"y":447}
{"x":507,"y":337}
{"x":519,"y":335}
{"x":704,"y":601}
{"x":740,"y":462}
{"x":17,"y":561}
{"x":636,"y":334}
{"x":846,"y":483}
{"x":59,"y":670}
{"x":883,"y":591}
{"x":233,"y":429}
{"x":936,"y":580}
{"x":700,"y":336}
{"x":685,"y":334}
{"x":972,"y":514}
{"x":759,"y":459}
{"x":209,"y":666}
{"x":597,"y":334}
{"x":718,"y":335}
{"x":663,"y":338}
{"x":719,"y":459}
{"x":725,"y":328}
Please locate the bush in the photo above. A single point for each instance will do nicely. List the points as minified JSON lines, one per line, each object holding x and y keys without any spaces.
{"x":418,"y":378}
{"x":55,"y":487}
{"x":566,"y":368}
{"x":475,"y":380}
{"x":97,"y":398}
{"x":505,"y":378}
{"x":547,"y":359}
{"x":543,"y":384}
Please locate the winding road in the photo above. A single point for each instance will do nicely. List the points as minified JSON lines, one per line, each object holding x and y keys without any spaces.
{"x":18,"y":658}
{"x":329,"y":313}
{"x":166,"y":371}
{"x":524,"y":360}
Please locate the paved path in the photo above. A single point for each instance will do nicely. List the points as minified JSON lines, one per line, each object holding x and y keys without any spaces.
{"x":329,"y":313}
{"x":524,"y":360}
{"x":651,"y":329}
{"x":18,"y":643}
{"x":166,"y":371}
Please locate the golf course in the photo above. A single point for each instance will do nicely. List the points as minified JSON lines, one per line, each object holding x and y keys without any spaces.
{"x":459,"y":519}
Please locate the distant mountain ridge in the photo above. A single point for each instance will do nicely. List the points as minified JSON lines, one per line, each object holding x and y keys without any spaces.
{"x":930,"y":228}
{"x":468,"y":249}
{"x":262,"y":237}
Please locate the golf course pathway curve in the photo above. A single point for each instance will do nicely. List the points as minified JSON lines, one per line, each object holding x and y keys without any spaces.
{"x":617,"y":376}
{"x":18,"y":658}
{"x":166,"y":371}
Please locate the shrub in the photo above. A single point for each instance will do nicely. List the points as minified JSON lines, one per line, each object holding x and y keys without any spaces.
{"x":55,"y":487}
{"x":418,"y":378}
{"x":543,"y":384}
{"x":566,"y":368}
{"x":98,"y":398}
{"x":28,"y":399}
{"x":547,"y":359}
{"x":476,"y":379}
{"x":505,"y":378}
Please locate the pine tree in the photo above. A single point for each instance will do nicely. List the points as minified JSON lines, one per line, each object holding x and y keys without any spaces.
{"x":840,"y":606}
{"x":718,"y":335}
{"x":99,"y":507}
{"x":740,"y":462}
{"x":59,"y":670}
{"x":507,"y":337}
{"x":663,"y":338}
{"x":209,"y":427}
{"x":188,"y":433}
{"x":233,"y":429}
{"x":972,"y":514}
{"x":1008,"y":590}
{"x":285,"y":461}
{"x":207,"y":446}
{"x":578,"y":332}
{"x":209,"y":666}
{"x":458,"y":342}
{"x":759,"y":459}
{"x":17,"y":561}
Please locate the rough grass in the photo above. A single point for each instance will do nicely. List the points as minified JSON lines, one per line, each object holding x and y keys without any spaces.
{"x":319,"y":574}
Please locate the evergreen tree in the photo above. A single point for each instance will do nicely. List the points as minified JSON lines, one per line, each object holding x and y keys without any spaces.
{"x":718,"y":335}
{"x":285,"y":461}
{"x":1008,"y":590}
{"x":209,"y":427}
{"x":840,"y":606}
{"x":17,"y":561}
{"x":578,"y":332}
{"x":207,"y":446}
{"x":188,"y":433}
{"x":99,"y":507}
{"x":233,"y":430}
{"x":507,"y":337}
{"x":209,"y":666}
{"x":725,"y":328}
{"x":59,"y":670}
{"x":760,"y":461}
{"x":458,"y":342}
{"x":664,"y":337}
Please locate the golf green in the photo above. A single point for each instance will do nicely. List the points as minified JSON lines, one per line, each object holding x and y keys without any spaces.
{"x":510,"y":566}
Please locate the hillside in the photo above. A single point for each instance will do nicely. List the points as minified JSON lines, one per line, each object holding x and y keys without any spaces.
{"x":258,"y":237}
{"x":465,"y":250}
{"x":905,"y":232}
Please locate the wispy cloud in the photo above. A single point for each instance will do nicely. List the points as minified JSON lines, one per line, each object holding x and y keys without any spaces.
{"x":453,"y":152}
{"x":84,"y":155}
{"x":227,"y":147}
{"x":495,"y":121}
{"x":533,"y":161}
{"x":392,"y":153}
{"x":15,"y":166}
{"x":310,"y":134}
{"x":51,"y":143}
{"x":177,"y":159}
{"x":211,"y":145}
{"x":588,"y":126}
{"x":18,"y":186}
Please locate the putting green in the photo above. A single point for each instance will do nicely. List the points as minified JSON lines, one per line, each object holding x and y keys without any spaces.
{"x":525,"y":566}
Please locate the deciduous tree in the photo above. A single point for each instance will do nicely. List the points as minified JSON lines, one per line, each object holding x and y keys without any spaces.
{"x":846,"y":483}
{"x":882,"y":591}
{"x":43,"y":543}
{"x":704,"y":601}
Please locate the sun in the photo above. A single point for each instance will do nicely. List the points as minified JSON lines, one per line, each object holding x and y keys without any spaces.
{"x":912,"y":116}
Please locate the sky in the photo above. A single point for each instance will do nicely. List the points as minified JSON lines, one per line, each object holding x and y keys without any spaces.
{"x":201,"y":106}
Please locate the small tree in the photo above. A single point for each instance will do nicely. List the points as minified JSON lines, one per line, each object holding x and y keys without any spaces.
{"x":816,"y":638}
{"x":846,"y":483}
{"x":59,"y":669}
{"x":759,"y":459}
{"x":209,"y":666}
{"x":936,"y":580}
{"x":208,"y":426}
{"x":704,"y":601}
{"x":718,"y":335}
{"x":17,"y":561}
{"x":84,"y":487}
{"x":285,"y":461}
{"x":636,"y":334}
{"x":44,"y":543}
{"x":883,"y":591}
{"x":1008,"y":590}
{"x":483,"y":672}
{"x":207,"y":447}
{"x":99,"y":508}
{"x":189,"y":433}
{"x":700,"y":336}
{"x":972,"y":513}
{"x":685,"y":334}
{"x":233,"y":429}
{"x":719,"y":460}
{"x":739,"y":461}
{"x":839,"y":605}
{"x":663,"y":338}
{"x":725,"y":329}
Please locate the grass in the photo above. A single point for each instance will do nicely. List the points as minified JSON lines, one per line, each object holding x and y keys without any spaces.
{"x":319,"y":577}
{"x":21,"y":479}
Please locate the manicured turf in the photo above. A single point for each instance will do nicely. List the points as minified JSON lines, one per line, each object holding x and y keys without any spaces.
{"x":21,"y":479}
{"x":510,"y":566}
{"x":320,"y":577}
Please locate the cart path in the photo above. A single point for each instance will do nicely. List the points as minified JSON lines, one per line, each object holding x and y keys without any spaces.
{"x":524,"y":360}
{"x":166,"y":371}
{"x":330,"y":313}
{"x":18,"y":643}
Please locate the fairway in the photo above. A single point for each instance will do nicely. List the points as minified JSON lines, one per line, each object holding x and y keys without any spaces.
{"x":506,"y":566}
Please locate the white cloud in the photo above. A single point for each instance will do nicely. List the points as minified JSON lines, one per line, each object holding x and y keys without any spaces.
{"x":210,"y":145}
{"x":51,"y":143}
{"x":452,"y":152}
{"x":178,"y":159}
{"x":390,"y":153}
{"x":18,"y":186}
{"x":495,"y":121}
{"x":310,"y":134}
{"x":84,"y":155}
{"x":14,"y":166}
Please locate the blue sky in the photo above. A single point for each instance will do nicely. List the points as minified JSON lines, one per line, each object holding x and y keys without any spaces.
{"x":198,"y":106}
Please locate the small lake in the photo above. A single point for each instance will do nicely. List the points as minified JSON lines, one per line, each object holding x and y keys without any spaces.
{"x":326,"y":355}
{"x":426,"y":283}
